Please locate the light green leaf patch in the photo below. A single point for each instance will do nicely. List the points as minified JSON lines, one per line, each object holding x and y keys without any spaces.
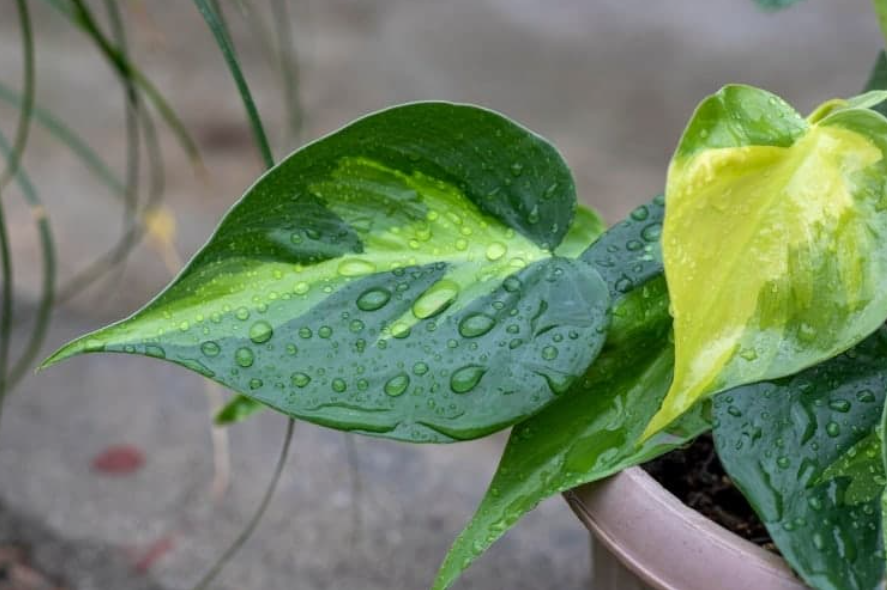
{"x":587,"y":226}
{"x":401,"y":277}
{"x":772,"y":240}
{"x":863,"y":466}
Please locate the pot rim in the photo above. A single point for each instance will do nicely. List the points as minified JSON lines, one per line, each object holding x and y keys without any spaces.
{"x":669,"y":545}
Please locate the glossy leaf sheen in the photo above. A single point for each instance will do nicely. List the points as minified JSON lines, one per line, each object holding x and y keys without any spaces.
{"x":395,"y":278}
{"x":863,"y":465}
{"x":586,"y":228}
{"x":779,"y":442}
{"x":593,"y":431}
{"x":772,"y":239}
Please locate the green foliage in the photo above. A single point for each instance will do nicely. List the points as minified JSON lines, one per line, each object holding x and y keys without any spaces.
{"x":785,"y":217}
{"x":798,"y":448}
{"x":594,"y":430}
{"x":395,"y":278}
{"x":424,"y":275}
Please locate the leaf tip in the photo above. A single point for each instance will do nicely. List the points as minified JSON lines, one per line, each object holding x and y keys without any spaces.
{"x":82,"y":345}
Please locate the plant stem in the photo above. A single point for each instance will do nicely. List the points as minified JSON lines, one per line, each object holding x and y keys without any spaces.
{"x":244,"y":535}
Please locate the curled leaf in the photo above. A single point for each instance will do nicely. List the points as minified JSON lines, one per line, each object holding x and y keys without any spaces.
{"x":773,"y":239}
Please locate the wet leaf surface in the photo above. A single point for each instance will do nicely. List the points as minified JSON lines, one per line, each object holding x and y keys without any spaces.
{"x":783,"y":443}
{"x":396,"y":278}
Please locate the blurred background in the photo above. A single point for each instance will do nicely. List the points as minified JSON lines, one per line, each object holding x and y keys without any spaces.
{"x":610,"y":82}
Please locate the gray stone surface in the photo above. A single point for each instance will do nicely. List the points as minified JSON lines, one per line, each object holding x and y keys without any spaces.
{"x":611,"y":82}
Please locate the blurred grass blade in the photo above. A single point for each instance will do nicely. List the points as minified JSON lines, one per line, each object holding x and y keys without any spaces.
{"x":227,"y":48}
{"x":116,"y":254}
{"x":27,"y":106}
{"x":259,"y":31}
{"x":81,"y":16}
{"x":289,"y":70}
{"x":67,"y":136}
{"x":12,"y":166}
{"x":47,"y":290}
{"x":132,"y":107}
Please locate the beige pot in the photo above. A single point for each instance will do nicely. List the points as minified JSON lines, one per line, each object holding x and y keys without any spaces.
{"x":643,"y":537}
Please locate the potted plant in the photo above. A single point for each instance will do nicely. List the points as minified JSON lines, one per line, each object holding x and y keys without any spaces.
{"x":425,"y":274}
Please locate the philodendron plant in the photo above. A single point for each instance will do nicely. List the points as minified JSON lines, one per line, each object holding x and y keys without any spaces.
{"x":426,"y":275}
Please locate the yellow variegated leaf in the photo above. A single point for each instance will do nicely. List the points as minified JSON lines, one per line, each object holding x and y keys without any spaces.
{"x":773,"y":240}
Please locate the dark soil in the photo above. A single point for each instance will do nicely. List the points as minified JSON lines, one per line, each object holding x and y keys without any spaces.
{"x":695,"y":475}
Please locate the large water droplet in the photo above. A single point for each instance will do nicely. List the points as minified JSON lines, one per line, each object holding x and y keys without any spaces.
{"x":436,"y":299}
{"x":356,"y":268}
{"x":549,"y":353}
{"x":475,"y":325}
{"x":155,"y":351}
{"x":244,"y":357}
{"x":839,"y":405}
{"x":300,"y":379}
{"x":210,"y":348}
{"x":833,"y":429}
{"x":397,"y":385}
{"x":339,"y":385}
{"x":420,"y":368}
{"x":465,"y":379}
{"x":640,"y":214}
{"x":496,"y":250}
{"x":373,"y":299}
{"x":652,"y":232}
{"x":261,"y":332}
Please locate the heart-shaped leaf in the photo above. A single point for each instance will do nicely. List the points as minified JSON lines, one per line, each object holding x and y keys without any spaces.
{"x":593,"y":431}
{"x":773,"y":240}
{"x":395,"y":278}
{"x":783,"y":443}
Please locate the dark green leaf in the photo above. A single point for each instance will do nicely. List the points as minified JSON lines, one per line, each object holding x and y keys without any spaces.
{"x":628,"y":254}
{"x":395,"y":278}
{"x":777,"y":440}
{"x":593,"y":431}
{"x":878,"y":80}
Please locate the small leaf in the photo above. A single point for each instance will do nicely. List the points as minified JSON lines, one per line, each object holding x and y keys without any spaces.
{"x":780,"y":440}
{"x":772,"y":240}
{"x":395,"y":278}
{"x":238,"y":409}
{"x":594,"y":430}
